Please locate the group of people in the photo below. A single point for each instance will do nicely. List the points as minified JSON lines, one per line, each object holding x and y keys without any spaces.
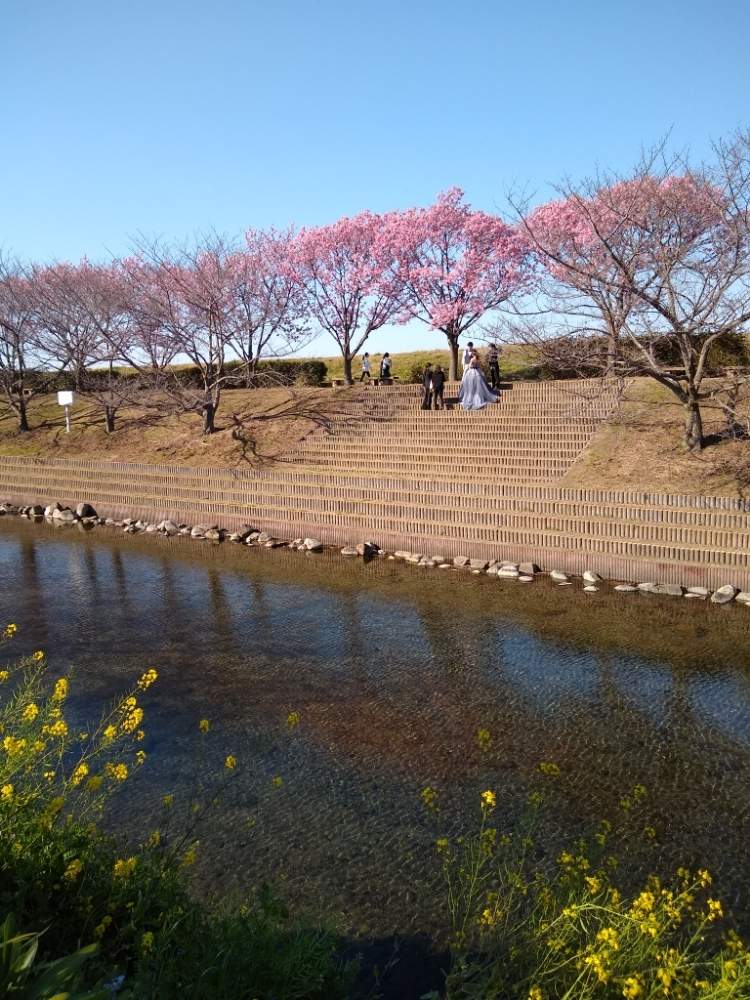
{"x":474,"y":392}
{"x":385,"y":367}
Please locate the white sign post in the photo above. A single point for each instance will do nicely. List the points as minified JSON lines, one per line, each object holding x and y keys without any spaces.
{"x":66,"y":399}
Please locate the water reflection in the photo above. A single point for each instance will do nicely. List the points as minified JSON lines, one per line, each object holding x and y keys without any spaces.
{"x":393,"y":670}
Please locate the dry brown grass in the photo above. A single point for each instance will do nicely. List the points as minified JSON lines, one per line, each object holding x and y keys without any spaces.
{"x":640,"y":448}
{"x":253,"y":426}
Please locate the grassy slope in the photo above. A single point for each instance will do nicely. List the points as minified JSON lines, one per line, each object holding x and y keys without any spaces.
{"x":639,"y":449}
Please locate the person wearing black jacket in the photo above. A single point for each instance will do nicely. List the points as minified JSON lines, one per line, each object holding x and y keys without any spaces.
{"x":438,"y":384}
{"x":427,"y":388}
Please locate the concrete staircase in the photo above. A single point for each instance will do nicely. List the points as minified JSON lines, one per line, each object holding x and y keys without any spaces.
{"x":479,"y":484}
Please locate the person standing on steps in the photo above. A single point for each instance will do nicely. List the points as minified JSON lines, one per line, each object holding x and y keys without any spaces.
{"x":427,"y":387}
{"x":466,"y":356}
{"x":365,"y":367}
{"x":493,"y":357}
{"x":474,"y":393}
{"x":385,"y":367}
{"x":438,"y":384}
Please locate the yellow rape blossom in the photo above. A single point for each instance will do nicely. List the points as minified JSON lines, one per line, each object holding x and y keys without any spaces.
{"x":230,"y":763}
{"x":715,"y":910}
{"x":204,"y":725}
{"x":429,"y":796}
{"x":59,"y":728}
{"x":109,"y":734}
{"x":147,"y":679}
{"x":168,"y":800}
{"x":6,"y":792}
{"x":124,"y":867}
{"x":489,"y":800}
{"x":37,"y":656}
{"x":278,"y":781}
{"x":550,"y":769}
{"x":147,"y":941}
{"x":10,"y":630}
{"x":61,"y":690}
{"x":94,"y":784}
{"x":442,"y":844}
{"x":118,"y":772}
{"x":631,"y":988}
{"x":483,"y":739}
{"x":79,"y":774}
{"x":73,"y":870}
{"x":13,"y":746}
{"x":535,"y":993}
{"x":4,"y":675}
{"x":292,"y":720}
{"x":608,"y":936}
{"x":30,"y":712}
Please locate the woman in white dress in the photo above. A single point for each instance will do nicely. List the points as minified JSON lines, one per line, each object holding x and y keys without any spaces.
{"x":474,"y":392}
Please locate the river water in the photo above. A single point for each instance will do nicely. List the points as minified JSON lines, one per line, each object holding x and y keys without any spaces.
{"x":392,"y":670}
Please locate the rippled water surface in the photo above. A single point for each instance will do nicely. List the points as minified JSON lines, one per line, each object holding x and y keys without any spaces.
{"x":392,"y":669}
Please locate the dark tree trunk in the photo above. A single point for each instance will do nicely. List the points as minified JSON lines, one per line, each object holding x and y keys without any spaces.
{"x":612,"y":352}
{"x":453,"y":364}
{"x":209,"y":413}
{"x":109,"y":419}
{"x":693,"y":435}
{"x":23,"y":420}
{"x":348,"y":378}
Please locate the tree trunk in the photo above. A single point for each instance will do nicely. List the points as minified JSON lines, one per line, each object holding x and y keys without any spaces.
{"x":611,"y":353}
{"x":209,"y":412}
{"x":453,"y":365}
{"x":693,"y":437}
{"x":348,"y":378}
{"x":23,"y":420}
{"x":109,"y":419}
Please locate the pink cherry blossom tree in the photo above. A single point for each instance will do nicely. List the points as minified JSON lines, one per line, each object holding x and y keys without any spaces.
{"x":664,"y":254}
{"x":269,"y":319}
{"x":452,"y":265}
{"x":345,"y":275}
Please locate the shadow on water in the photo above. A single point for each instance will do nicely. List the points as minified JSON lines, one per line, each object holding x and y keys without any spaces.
{"x":392,"y":669}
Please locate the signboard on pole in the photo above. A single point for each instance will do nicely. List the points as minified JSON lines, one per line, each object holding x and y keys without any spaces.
{"x":65,"y":398}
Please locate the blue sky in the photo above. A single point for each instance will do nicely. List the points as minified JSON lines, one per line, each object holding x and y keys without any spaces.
{"x":170,"y":118}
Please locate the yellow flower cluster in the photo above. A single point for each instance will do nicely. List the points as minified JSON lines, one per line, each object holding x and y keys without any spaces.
{"x":489,"y":800}
{"x":147,"y":679}
{"x":204,"y":725}
{"x":278,"y":781}
{"x":292,"y":720}
{"x":483,"y":739}
{"x":230,"y":763}
{"x":59,"y":728}
{"x":73,"y":870}
{"x":442,"y":844}
{"x":118,"y":772}
{"x":61,"y":690}
{"x":37,"y":656}
{"x":429,"y":797}
{"x":147,"y":941}
{"x":550,"y":769}
{"x":632,"y":988}
{"x":124,"y":867}
{"x":4,"y":675}
{"x":79,"y":774}
{"x":6,"y":792}
{"x":13,"y":746}
{"x":30,"y":712}
{"x":10,"y":630}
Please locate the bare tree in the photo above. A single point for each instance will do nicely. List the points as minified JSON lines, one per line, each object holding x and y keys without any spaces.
{"x":17,"y":358}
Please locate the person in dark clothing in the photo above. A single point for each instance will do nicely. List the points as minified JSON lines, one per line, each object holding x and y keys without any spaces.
{"x":385,"y":366}
{"x":493,"y":357}
{"x":427,"y":388}
{"x":438,"y":384}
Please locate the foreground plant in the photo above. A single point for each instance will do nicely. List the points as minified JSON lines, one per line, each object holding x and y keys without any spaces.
{"x":526,"y":930}
{"x":90,"y":912}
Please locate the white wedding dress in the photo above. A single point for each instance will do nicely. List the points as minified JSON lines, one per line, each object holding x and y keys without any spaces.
{"x":474,"y":392}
